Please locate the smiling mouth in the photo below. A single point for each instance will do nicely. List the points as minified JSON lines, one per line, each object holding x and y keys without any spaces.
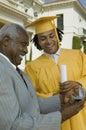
{"x":20,"y":57}
{"x":49,"y":46}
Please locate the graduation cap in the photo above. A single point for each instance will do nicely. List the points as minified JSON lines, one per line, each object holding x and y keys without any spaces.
{"x":44,"y":24}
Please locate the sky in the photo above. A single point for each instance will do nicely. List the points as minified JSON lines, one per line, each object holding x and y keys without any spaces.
{"x":82,"y":1}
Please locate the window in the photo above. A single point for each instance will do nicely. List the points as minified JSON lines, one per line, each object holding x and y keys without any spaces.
{"x":60,"y":22}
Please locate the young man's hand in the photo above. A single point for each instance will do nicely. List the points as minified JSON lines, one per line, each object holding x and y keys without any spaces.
{"x":68,"y":90}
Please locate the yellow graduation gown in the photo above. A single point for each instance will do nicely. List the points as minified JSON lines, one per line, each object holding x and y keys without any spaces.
{"x":45,"y":76}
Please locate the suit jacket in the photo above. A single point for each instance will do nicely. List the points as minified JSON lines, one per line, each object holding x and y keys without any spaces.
{"x":19,"y":108}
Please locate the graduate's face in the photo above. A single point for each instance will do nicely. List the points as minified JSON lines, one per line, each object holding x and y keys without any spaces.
{"x":48,"y":41}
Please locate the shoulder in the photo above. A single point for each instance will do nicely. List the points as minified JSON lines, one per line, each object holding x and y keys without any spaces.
{"x":2,"y":67}
{"x":71,"y":51}
{"x":38,"y":62}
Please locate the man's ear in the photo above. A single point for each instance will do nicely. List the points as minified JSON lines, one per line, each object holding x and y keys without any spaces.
{"x":6,"y":40}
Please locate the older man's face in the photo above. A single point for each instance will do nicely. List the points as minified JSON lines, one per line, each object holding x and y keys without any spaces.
{"x":17,"y":48}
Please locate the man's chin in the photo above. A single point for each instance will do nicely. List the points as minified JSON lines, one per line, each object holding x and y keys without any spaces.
{"x":18,"y":63}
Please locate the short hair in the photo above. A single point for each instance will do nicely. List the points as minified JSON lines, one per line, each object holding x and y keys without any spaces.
{"x":10,"y":30}
{"x":36,"y":42}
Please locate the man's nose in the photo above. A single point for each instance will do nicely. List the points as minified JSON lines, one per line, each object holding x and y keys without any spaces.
{"x":49,"y":40}
{"x":26,"y":50}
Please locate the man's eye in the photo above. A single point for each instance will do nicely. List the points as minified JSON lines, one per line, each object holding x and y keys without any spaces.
{"x":24,"y":44}
{"x":52,"y":36}
{"x":42,"y":39}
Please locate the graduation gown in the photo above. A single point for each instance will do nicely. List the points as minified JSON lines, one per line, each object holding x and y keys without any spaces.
{"x":45,"y":76}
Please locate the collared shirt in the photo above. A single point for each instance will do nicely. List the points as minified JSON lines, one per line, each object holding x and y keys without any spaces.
{"x":54,"y":56}
{"x":8,"y":60}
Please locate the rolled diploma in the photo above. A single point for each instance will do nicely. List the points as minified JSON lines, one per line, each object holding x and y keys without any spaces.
{"x":63,"y":73}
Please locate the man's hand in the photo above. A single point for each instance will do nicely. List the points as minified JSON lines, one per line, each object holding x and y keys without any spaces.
{"x":69,"y":89}
{"x":68,"y":110}
{"x":68,"y":85}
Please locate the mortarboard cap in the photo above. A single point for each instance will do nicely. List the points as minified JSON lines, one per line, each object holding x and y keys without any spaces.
{"x":43,"y":24}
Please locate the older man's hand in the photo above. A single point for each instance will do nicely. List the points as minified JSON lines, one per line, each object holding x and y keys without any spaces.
{"x":68,"y":110}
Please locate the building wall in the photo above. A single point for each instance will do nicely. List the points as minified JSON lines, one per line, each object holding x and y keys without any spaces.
{"x":73,"y":19}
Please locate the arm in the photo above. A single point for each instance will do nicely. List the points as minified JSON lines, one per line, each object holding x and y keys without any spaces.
{"x":39,"y":122}
{"x":67,"y":110}
{"x":14,"y":118}
{"x":50,"y":104}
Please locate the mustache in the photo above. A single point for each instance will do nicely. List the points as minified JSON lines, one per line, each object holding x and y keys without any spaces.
{"x":22,"y":53}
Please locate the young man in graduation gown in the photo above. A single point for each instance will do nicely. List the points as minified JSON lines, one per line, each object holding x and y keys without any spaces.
{"x":45,"y":70}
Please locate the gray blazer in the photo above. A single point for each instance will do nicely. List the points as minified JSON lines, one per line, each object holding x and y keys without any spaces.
{"x":19,"y":109}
